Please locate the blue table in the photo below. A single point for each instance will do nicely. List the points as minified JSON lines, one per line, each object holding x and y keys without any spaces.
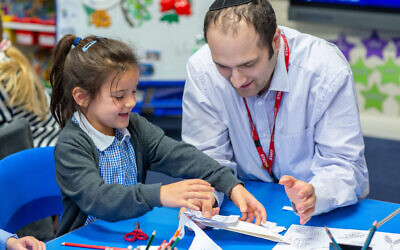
{"x":165,"y":221}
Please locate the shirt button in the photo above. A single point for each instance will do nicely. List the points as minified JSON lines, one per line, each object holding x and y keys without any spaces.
{"x":264,"y":135}
{"x":260,"y":103}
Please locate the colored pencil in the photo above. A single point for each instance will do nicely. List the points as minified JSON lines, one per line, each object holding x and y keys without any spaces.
{"x":90,"y":246}
{"x":388,"y":217}
{"x":335,"y":244}
{"x":175,"y":242}
{"x":150,"y":240}
{"x":370,"y":235}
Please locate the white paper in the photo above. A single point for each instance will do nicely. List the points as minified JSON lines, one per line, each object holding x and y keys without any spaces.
{"x":201,"y":240}
{"x":307,"y":237}
{"x":269,"y":230}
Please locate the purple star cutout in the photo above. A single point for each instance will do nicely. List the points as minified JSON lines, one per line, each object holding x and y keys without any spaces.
{"x":374,"y":45}
{"x":396,"y":41}
{"x":344,"y":45}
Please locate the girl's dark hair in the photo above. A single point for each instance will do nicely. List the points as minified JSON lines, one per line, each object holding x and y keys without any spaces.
{"x":261,"y":15}
{"x":86,"y":65}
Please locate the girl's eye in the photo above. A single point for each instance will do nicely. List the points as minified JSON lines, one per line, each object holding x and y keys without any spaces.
{"x":118,"y":97}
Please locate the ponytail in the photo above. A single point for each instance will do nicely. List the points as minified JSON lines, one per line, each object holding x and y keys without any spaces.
{"x":87,"y":65}
{"x":62,"y":106}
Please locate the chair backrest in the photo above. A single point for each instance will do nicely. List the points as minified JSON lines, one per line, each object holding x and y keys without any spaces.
{"x":28,"y":188}
{"x":15,"y":136}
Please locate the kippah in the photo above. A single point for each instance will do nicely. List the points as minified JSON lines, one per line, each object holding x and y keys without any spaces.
{"x":221,"y":4}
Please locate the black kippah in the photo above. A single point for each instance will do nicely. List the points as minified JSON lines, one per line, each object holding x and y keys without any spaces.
{"x":221,"y":4}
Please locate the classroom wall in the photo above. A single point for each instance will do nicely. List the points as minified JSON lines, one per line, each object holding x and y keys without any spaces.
{"x":376,"y":76}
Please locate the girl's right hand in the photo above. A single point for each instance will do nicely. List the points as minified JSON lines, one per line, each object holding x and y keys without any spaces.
{"x":184,"y":193}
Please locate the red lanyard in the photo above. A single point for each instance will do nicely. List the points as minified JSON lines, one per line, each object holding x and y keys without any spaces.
{"x":267,"y":162}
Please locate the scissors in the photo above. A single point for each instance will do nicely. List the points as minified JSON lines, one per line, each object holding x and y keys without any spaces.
{"x":136,"y":234}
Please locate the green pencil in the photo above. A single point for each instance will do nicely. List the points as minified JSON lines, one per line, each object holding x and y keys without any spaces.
{"x":337,"y":247}
{"x":370,"y":235}
{"x":150,"y":240}
{"x":175,"y":242}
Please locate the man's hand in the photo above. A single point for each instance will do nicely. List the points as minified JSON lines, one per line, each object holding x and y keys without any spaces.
{"x":249,"y":206}
{"x":24,"y":243}
{"x":302,"y":194}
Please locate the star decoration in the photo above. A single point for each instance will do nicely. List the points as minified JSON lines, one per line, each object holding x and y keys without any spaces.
{"x":361,"y":72}
{"x":374,"y":45}
{"x":397,"y":44}
{"x":397,"y":99}
{"x":374,"y":98}
{"x":390,"y":72}
{"x":344,"y":45}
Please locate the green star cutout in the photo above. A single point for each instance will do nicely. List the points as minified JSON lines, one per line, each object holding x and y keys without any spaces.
{"x":397,"y":98}
{"x":390,"y":72}
{"x":374,"y":98}
{"x":361,"y":72}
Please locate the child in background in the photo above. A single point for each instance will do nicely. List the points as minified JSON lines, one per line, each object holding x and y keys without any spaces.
{"x":22,"y":95}
{"x":104,"y":150}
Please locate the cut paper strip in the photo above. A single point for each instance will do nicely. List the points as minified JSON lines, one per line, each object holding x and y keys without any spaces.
{"x":201,"y":240}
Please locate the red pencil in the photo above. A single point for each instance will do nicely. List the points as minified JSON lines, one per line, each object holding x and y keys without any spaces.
{"x":91,"y":246}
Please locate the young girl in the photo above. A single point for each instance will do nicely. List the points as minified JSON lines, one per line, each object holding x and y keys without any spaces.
{"x":104,"y":150}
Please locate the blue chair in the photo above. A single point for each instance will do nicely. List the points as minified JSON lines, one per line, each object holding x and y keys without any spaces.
{"x":28,"y":188}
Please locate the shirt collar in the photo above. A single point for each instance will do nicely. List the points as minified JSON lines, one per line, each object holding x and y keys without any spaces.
{"x":280,"y":78}
{"x":101,"y":140}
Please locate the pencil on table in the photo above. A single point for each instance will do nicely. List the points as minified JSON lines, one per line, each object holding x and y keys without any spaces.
{"x":370,"y":235}
{"x":150,"y":240}
{"x":90,"y":246}
{"x":388,"y":217}
{"x":175,"y":242}
{"x":335,"y":244}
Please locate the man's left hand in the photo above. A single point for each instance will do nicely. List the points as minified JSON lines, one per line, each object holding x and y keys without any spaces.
{"x":302,"y":194}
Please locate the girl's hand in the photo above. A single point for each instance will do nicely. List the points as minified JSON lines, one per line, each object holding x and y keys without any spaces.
{"x":249,"y":206}
{"x":185,"y":193}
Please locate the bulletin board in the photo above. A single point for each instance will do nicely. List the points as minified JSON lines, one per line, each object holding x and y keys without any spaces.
{"x":163,"y":33}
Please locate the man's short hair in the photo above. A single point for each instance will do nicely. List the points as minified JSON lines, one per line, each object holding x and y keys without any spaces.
{"x":261,"y":15}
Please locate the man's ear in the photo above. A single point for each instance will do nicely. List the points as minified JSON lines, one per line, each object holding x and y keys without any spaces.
{"x":276,"y":40}
{"x":81,"y":97}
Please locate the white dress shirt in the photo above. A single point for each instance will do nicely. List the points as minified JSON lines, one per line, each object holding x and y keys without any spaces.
{"x":318,"y":136}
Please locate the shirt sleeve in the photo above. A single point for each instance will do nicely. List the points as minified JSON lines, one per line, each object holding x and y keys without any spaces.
{"x":4,"y":236}
{"x":179,"y":159}
{"x":340,"y":175}
{"x":201,"y":123}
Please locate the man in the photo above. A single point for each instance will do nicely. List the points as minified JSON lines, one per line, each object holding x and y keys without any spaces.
{"x":11,"y":242}
{"x":276,"y":105}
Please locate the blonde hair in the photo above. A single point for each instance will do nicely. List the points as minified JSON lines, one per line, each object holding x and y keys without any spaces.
{"x":22,"y":84}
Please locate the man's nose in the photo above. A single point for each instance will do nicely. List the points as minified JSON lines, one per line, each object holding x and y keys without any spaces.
{"x":237,"y":78}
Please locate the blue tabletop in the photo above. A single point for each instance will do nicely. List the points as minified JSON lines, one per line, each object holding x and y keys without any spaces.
{"x":165,"y":222}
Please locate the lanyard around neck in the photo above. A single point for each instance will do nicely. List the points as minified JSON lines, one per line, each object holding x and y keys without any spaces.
{"x":267,"y":162}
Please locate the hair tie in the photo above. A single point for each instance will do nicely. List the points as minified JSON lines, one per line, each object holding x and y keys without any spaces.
{"x":76,"y":41}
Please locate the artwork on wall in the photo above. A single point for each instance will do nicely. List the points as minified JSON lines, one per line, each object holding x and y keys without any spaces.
{"x":376,"y":70}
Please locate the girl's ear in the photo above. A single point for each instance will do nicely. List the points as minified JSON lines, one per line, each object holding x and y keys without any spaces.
{"x":81,"y":97}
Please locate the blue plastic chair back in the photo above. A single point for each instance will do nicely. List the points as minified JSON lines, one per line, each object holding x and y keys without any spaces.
{"x":28,"y":188}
